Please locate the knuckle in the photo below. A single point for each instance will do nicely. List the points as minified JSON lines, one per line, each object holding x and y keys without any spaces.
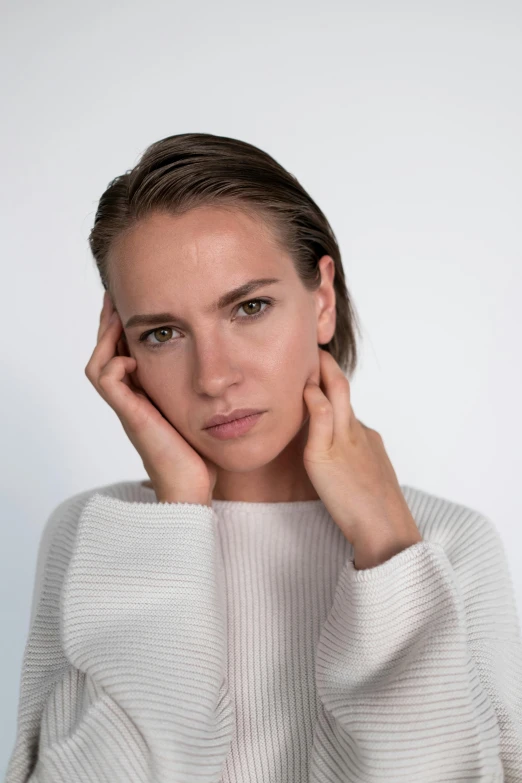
{"x":324,"y":410}
{"x":103,"y":380}
{"x":342,"y":382}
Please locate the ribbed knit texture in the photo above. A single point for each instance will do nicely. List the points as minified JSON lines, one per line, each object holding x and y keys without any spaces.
{"x":238,"y":644}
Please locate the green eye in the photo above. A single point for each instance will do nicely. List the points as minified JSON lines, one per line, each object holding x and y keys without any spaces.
{"x":249,"y":318}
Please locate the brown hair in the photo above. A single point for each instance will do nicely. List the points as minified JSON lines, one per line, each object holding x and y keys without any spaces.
{"x":190,"y":170}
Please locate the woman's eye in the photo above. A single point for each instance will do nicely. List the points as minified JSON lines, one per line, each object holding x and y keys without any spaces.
{"x":259,"y":313}
{"x":248,"y":317}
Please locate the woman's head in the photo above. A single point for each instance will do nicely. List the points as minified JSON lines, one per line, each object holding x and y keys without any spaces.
{"x":198,"y":216}
{"x":181,"y":172}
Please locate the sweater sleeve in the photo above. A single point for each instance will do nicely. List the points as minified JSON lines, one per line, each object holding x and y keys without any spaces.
{"x":124,"y":672}
{"x":419,"y":668}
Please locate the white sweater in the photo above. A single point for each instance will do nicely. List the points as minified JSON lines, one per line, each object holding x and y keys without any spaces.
{"x":173,"y":642}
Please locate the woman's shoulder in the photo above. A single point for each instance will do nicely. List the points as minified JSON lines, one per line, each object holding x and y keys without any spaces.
{"x":58,"y":535}
{"x":67,"y":512}
{"x":462,"y":530}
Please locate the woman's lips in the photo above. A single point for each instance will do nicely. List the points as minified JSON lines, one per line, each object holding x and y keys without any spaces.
{"x":233,"y":429}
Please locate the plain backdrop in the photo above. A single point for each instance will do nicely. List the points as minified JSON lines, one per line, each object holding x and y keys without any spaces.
{"x":402,"y":120}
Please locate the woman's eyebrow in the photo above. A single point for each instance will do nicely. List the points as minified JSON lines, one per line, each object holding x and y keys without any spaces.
{"x":156,"y":319}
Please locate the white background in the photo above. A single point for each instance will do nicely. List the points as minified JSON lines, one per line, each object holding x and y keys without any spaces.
{"x":402,"y":120}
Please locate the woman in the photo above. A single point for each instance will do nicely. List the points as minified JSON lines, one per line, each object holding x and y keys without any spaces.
{"x":271,"y":604}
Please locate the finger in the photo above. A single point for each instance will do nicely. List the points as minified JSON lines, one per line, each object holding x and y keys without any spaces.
{"x":132,"y":381}
{"x":105,"y":349}
{"x":321,"y":424}
{"x":105,"y":314}
{"x":114,"y":386}
{"x":337,"y":390}
{"x":129,"y":378}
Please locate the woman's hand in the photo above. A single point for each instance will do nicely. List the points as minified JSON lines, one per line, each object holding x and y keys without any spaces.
{"x":351,"y":472}
{"x":178,"y":473}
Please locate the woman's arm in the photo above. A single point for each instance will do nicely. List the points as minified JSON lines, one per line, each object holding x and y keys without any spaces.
{"x":419,"y":667}
{"x":124,"y":672}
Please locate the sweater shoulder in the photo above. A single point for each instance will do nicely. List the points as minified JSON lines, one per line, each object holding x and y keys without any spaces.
{"x":58,"y":537}
{"x":478,"y":557}
{"x":467,"y":535}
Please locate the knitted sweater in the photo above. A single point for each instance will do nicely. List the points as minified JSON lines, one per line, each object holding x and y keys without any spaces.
{"x":175,"y":642}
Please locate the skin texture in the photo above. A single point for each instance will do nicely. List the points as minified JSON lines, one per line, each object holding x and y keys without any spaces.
{"x":221,"y":361}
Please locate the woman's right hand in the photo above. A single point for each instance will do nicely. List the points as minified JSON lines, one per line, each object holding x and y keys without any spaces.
{"x":178,"y":473}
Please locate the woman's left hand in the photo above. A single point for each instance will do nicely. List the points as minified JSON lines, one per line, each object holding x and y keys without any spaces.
{"x":351,"y":472}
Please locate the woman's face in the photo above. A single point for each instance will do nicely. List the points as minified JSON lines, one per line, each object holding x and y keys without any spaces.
{"x":200,"y":360}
